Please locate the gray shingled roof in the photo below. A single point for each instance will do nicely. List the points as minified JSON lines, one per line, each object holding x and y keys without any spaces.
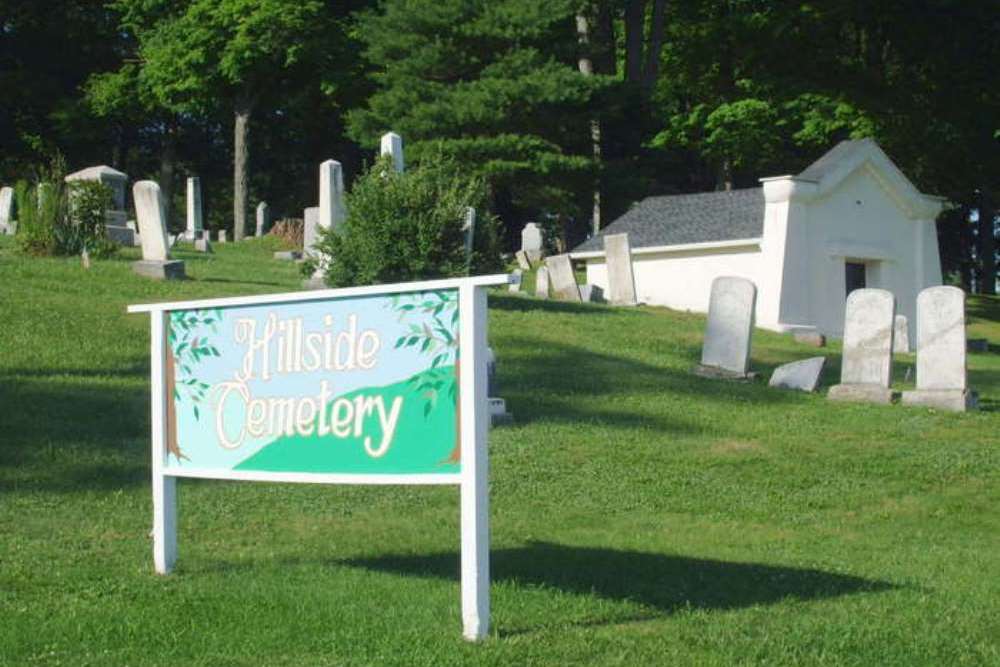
{"x":695,"y":218}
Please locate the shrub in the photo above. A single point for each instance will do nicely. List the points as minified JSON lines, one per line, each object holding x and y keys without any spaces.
{"x":408,"y":226}
{"x":289,"y":230}
{"x":41,"y":214}
{"x":88,"y":203}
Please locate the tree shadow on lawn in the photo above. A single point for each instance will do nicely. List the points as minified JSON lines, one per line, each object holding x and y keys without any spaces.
{"x":667,"y":583}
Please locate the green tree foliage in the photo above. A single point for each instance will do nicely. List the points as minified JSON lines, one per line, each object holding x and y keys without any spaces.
{"x":408,"y":226}
{"x":493,"y":83}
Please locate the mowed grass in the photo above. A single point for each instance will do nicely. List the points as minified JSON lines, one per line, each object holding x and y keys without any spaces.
{"x":640,"y":515}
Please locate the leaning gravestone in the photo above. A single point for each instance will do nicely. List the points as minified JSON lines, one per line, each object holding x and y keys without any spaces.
{"x":802,"y":375}
{"x":542,"y":283}
{"x":941,"y":351}
{"x":392,"y":145}
{"x":726,"y":350}
{"x":151,"y":217}
{"x":900,"y":335}
{"x":531,"y":242}
{"x":621,"y":280}
{"x":866,"y":368}
{"x":561,"y":278}
{"x":7,"y":211}
{"x":263,"y":218}
{"x":195,"y":221}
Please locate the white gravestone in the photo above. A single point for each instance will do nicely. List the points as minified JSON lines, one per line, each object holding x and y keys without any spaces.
{"x":223,"y":236}
{"x":332,"y":210}
{"x":802,"y":375}
{"x":150,"y":214}
{"x":561,"y":278}
{"x":941,"y":351}
{"x":591,"y":293}
{"x":469,"y":229}
{"x":195,"y":222}
{"x":392,"y":145}
{"x":7,"y":210}
{"x":726,"y":350}
{"x":901,"y":335}
{"x":621,"y":281}
{"x":263,"y":218}
{"x":542,"y":283}
{"x":310,"y":230}
{"x":866,"y":366}
{"x":531,"y":242}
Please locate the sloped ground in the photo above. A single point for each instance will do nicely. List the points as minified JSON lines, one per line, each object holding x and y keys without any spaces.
{"x":639,"y":515}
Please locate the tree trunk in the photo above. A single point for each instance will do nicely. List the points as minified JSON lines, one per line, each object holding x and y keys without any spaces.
{"x":987,"y":246}
{"x":241,"y":157}
{"x":586,"y":65}
{"x":168,"y":158}
{"x":173,"y":447}
{"x":635,"y":24}
{"x":652,"y":67}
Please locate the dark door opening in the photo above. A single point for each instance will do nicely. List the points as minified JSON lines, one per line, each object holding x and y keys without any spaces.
{"x":854,"y":276}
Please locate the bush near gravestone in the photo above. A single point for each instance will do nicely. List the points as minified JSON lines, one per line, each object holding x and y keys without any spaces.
{"x":89,"y":200}
{"x":56,"y":221}
{"x":408,"y":226}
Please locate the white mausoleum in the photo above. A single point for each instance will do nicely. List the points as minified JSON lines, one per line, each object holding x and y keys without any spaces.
{"x":851,"y":219}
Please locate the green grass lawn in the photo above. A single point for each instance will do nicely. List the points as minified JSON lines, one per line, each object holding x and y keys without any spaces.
{"x":640,"y":515}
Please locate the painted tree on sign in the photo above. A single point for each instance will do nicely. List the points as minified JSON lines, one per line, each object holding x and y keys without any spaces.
{"x":188,"y":341}
{"x":434,"y":337}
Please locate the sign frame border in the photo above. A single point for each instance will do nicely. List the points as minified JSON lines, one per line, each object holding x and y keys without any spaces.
{"x":472,"y":479}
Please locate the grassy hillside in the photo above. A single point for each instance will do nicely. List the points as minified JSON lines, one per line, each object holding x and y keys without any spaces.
{"x":640,"y":515}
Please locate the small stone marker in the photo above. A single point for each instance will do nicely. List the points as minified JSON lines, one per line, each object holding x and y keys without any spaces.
{"x":263,"y":218}
{"x":809,"y":336}
{"x":866,"y":367}
{"x":515,"y":281}
{"x":726,"y":350}
{"x":202,"y":244}
{"x":392,"y":145}
{"x":802,"y":375}
{"x":469,"y":229}
{"x":522,"y":260}
{"x":531,"y":242}
{"x":621,"y":280}
{"x":497,"y":406}
{"x":542,"y":283}
{"x":223,"y":235}
{"x":195,"y":222}
{"x":288,"y":255}
{"x":7,"y":210}
{"x":310,"y":230}
{"x":151,"y":217}
{"x":562,"y":278}
{"x":941,"y":351}
{"x":900,"y":335}
{"x":591,"y":294}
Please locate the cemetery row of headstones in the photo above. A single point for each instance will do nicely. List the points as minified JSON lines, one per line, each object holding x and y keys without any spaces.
{"x":870,"y":326}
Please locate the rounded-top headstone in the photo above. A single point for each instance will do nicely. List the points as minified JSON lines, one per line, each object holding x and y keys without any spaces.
{"x":730,"y":324}
{"x":531,"y":237}
{"x":941,"y":347}
{"x":868,"y":329}
{"x":150,"y":216}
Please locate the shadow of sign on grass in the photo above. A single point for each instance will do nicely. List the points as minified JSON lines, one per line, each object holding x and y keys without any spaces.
{"x":667,"y":583}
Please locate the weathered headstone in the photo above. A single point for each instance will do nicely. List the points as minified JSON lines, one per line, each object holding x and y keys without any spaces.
{"x":866,"y":367}
{"x":115,"y":217}
{"x":561,"y":278}
{"x":522,"y":260}
{"x":900,"y":335}
{"x":263,"y":218}
{"x":725,"y":352}
{"x":195,"y":221}
{"x":151,"y":216}
{"x":310,"y":230}
{"x":531,"y":242}
{"x":542,"y":283}
{"x":591,"y":293}
{"x":802,"y":375}
{"x":223,"y":236}
{"x":941,"y":351}
{"x":621,"y":280}
{"x":469,"y":230}
{"x":497,"y":406}
{"x":515,"y":281}
{"x":392,"y":145}
{"x":7,"y":210}
{"x":202,"y":244}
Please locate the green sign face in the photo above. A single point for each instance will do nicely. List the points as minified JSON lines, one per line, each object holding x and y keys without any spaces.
{"x":365,"y":385}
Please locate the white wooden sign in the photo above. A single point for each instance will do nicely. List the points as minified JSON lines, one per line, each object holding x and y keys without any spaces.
{"x":369,"y":385}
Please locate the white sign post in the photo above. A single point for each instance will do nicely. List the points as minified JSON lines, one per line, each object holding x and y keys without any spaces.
{"x":250,"y":354}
